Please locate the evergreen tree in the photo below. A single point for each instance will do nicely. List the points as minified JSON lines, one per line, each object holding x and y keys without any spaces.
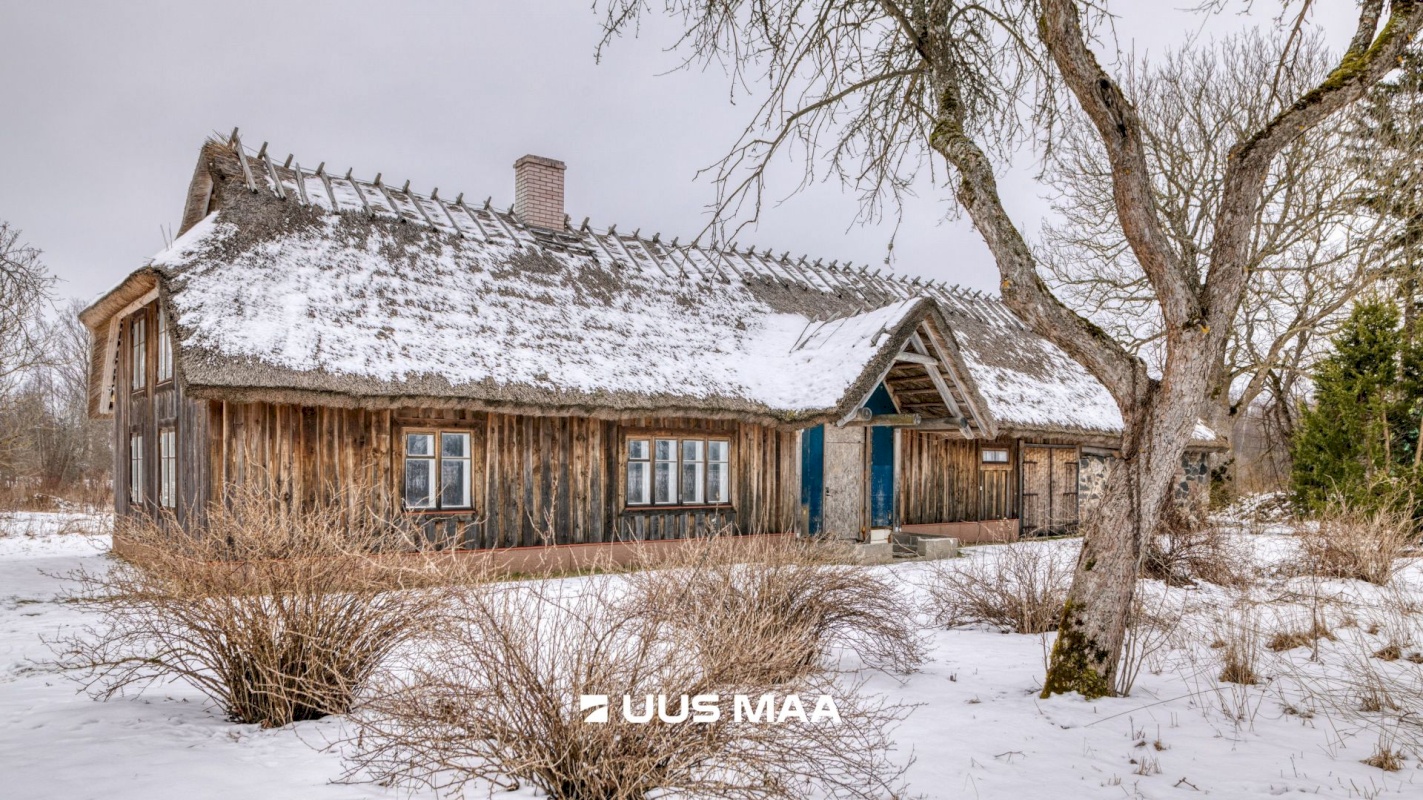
{"x":1345,"y":444}
{"x":1408,"y":409}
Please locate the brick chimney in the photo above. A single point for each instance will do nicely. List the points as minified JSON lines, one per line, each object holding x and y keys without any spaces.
{"x":538,"y":192}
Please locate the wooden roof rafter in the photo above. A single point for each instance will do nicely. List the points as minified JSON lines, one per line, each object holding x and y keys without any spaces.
{"x":917,"y":370}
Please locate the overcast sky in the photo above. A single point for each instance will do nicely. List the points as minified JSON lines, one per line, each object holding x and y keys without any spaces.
{"x":103,"y":107}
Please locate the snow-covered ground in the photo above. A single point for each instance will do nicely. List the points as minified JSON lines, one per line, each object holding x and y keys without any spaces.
{"x":980,"y":730}
{"x":55,"y":742}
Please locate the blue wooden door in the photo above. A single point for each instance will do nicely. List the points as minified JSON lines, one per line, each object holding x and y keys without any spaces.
{"x":812,"y":477}
{"x":881,"y":477}
{"x":881,"y":461}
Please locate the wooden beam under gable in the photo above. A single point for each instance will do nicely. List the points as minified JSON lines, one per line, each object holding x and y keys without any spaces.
{"x":942,"y":347}
{"x":916,"y":358}
{"x":111,"y":350}
{"x":932,"y":370}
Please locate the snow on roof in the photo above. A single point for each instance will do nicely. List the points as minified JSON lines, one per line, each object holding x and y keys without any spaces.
{"x":336,"y":303}
{"x":343,"y":287}
{"x":1027,"y":381}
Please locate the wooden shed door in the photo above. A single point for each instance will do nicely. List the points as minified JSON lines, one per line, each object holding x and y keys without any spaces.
{"x":843,"y":511}
{"x":1049,"y":490}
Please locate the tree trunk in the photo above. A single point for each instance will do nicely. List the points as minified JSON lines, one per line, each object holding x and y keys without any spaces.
{"x":1094,"y":620}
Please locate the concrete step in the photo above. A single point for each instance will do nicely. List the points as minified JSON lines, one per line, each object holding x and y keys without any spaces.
{"x":925,"y":545}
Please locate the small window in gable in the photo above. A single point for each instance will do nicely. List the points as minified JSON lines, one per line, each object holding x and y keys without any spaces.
{"x":138,"y":338}
{"x":165,"y":350}
{"x":437,"y":470}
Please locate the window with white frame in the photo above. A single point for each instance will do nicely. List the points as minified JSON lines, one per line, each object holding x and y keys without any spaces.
{"x":135,"y":468}
{"x":138,"y":338}
{"x":167,"y":468}
{"x":165,"y":350}
{"x":665,"y":471}
{"x":995,"y":456}
{"x":639,"y":486}
{"x":718,"y":471}
{"x":437,"y":469}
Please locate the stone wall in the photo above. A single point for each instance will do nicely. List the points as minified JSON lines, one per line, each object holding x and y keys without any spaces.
{"x":1091,"y":481}
{"x":1193,"y":482}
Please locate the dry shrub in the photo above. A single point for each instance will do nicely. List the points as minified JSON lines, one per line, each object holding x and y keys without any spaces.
{"x":1239,"y":650}
{"x":276,"y":614}
{"x":1187,"y":548}
{"x":1356,"y":543}
{"x":808,"y":598}
{"x":498,"y":702}
{"x":1386,"y":759}
{"x":1019,"y":587}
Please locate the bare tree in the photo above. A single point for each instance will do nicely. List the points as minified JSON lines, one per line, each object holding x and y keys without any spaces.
{"x":1311,"y":252}
{"x":872,"y":90}
{"x":25,"y":287}
{"x":53,"y":447}
{"x":1386,"y":142}
{"x":75,"y":451}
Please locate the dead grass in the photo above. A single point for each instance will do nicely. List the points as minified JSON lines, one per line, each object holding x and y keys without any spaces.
{"x":1239,"y":650}
{"x":1361,"y":678}
{"x":1386,"y":759}
{"x":1356,"y":544}
{"x":274,"y":614}
{"x":1389,"y":652}
{"x":1187,"y":548}
{"x":1294,"y":638}
{"x":1019,"y":587}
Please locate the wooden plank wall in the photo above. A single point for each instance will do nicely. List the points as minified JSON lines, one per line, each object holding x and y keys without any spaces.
{"x":942,"y":479}
{"x":534,"y":480}
{"x":302,"y":454}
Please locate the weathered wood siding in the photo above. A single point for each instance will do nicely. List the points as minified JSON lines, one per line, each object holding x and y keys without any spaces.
{"x":534,"y":480}
{"x":942,"y":479}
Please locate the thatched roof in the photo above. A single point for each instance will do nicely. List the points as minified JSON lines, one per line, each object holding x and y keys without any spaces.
{"x":303,"y":286}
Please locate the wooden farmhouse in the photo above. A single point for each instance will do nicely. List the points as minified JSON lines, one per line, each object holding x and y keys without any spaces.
{"x":504,"y":379}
